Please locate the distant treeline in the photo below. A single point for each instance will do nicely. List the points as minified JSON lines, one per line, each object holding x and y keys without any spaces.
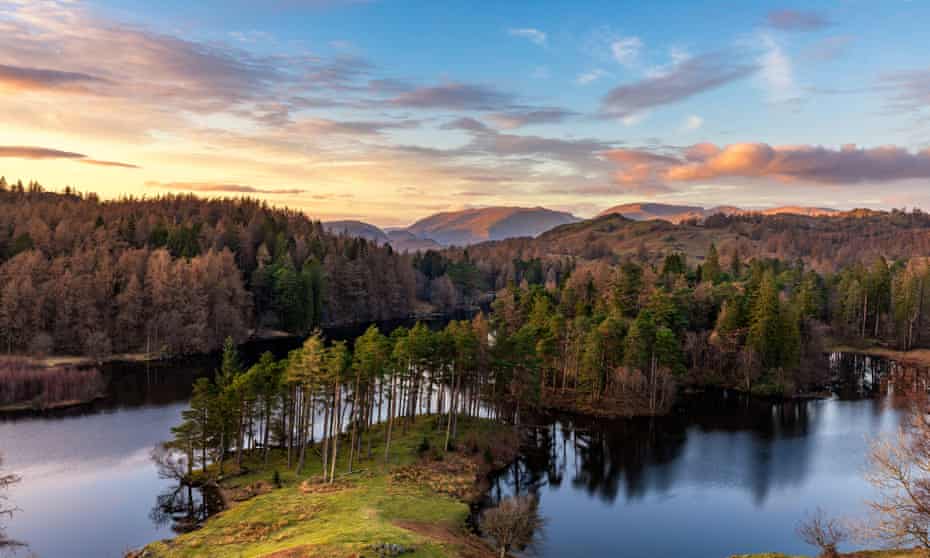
{"x":179,"y":274}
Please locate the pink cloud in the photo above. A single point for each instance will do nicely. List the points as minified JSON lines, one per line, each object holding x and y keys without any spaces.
{"x":790,"y":163}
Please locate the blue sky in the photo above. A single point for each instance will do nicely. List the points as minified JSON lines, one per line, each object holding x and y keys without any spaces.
{"x":389,"y":110}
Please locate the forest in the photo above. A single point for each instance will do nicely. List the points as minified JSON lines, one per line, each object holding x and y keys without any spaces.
{"x":625,"y":347}
{"x":179,"y":274}
{"x":745,"y":300}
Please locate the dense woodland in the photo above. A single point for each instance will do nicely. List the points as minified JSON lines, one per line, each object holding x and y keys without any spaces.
{"x":179,"y":274}
{"x":735,"y":300}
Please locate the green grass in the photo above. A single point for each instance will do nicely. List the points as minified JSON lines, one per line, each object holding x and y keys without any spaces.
{"x":361,"y":511}
{"x":859,"y":554}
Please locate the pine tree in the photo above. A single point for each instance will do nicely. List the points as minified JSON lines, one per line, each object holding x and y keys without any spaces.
{"x":710,"y":270}
{"x":765,"y":335}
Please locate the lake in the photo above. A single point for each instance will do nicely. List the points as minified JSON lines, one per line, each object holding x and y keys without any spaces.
{"x":723,"y":474}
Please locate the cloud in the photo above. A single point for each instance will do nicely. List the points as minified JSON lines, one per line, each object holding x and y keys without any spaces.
{"x":518,"y":119}
{"x":219,"y":187}
{"x":591,"y":76}
{"x":791,"y":163}
{"x":534,"y":35}
{"x":684,"y":80}
{"x":25,"y":152}
{"x":829,"y":48}
{"x":796,"y":20}
{"x":21,"y":78}
{"x":777,"y":72}
{"x":325,"y":126}
{"x":466,"y":123}
{"x":40,"y":153}
{"x":909,"y":90}
{"x":692,"y":123}
{"x":626,"y":50}
{"x":455,"y":96}
{"x":99,"y":163}
{"x":136,"y":65}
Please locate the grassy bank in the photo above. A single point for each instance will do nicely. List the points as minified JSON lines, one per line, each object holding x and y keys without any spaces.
{"x":859,"y":554}
{"x":418,"y":501}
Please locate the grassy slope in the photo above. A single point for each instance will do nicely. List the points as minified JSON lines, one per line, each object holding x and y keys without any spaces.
{"x":365,"y":508}
{"x":860,"y":554}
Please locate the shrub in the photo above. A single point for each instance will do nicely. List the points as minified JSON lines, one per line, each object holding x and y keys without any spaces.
{"x":513,"y":523}
{"x":826,"y":533}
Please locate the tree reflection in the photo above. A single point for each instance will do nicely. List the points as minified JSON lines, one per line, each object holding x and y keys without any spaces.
{"x":740,"y":442}
{"x":8,"y":547}
{"x":183,"y":507}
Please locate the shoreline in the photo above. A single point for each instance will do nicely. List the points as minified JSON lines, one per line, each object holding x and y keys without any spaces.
{"x":28,"y":407}
{"x":914,"y":357}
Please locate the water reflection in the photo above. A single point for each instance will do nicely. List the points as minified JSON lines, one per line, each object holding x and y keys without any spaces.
{"x":724,"y":474}
{"x":183,"y":508}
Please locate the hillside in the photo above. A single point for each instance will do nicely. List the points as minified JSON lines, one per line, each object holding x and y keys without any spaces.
{"x":357,"y":229}
{"x":645,"y":211}
{"x":825,"y":244}
{"x":488,"y":223}
{"x":403,"y":240}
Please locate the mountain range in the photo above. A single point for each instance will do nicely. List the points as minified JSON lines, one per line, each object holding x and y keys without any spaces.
{"x":678,"y":213}
{"x":473,"y":226}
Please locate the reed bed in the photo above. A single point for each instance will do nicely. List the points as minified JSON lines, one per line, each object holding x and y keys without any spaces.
{"x":26,"y":385}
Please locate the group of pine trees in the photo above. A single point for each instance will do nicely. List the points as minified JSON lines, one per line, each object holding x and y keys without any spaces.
{"x":324,"y":398}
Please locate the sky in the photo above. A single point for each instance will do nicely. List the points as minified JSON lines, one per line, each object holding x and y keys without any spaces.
{"x":390,"y":110}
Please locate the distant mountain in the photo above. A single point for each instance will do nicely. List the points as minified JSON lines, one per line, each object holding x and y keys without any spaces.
{"x":403,"y":240}
{"x":800,"y":210}
{"x":357,"y":228}
{"x":471,"y":226}
{"x":648,"y":211}
{"x":645,"y":211}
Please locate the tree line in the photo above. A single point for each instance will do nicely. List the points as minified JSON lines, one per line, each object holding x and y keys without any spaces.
{"x":325,"y":397}
{"x":179,"y":274}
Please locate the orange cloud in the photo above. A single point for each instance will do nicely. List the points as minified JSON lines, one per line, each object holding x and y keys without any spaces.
{"x":791,"y":163}
{"x":20,"y":78}
{"x":28,"y":152}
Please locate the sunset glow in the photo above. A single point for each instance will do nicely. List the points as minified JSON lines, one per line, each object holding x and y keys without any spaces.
{"x":388,"y":111}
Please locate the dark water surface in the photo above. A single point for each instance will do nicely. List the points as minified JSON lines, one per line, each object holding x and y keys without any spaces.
{"x":721,"y":476}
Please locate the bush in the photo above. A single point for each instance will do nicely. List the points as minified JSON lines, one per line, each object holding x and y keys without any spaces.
{"x":513,"y":523}
{"x":824,"y":532}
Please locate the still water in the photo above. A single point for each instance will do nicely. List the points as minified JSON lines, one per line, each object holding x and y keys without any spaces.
{"x":720,"y":476}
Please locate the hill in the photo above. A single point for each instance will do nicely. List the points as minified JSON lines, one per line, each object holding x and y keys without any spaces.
{"x":471,"y":226}
{"x":645,"y":211}
{"x":357,"y":229}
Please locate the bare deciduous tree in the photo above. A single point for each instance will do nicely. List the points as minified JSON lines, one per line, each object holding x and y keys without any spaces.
{"x":826,"y":533}
{"x":6,"y":510}
{"x":900,"y":469}
{"x":513,"y":523}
